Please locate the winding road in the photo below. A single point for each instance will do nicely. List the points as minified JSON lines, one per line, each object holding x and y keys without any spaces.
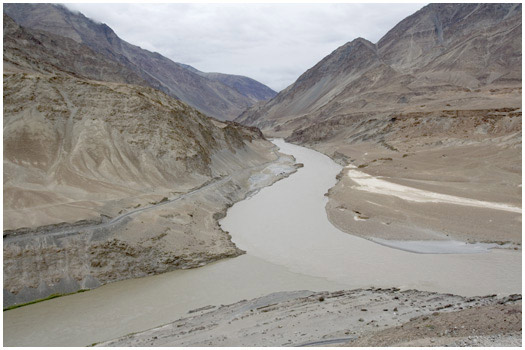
{"x":13,"y":236}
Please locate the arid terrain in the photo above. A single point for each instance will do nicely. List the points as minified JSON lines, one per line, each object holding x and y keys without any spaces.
{"x":120,"y":164}
{"x":433,"y":162}
{"x":434,"y":105}
{"x":371,"y":317}
{"x":81,"y":153}
{"x":222,"y":96}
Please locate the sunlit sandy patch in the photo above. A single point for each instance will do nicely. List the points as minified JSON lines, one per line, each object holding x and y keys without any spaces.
{"x":373,"y":184}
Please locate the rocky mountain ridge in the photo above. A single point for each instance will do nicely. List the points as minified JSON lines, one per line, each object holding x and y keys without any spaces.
{"x":206,"y":92}
{"x":44,"y":52}
{"x":246,"y":86}
{"x":444,"y":52}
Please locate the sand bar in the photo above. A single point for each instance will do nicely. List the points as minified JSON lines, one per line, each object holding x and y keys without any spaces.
{"x":374,"y":184}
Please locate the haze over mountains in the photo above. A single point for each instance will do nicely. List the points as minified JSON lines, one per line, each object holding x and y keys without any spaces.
{"x":217,"y":95}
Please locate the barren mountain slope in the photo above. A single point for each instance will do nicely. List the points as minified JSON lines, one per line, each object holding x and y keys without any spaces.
{"x":210,"y":95}
{"x":105,"y":181}
{"x":435,"y":105}
{"x":467,"y":56}
{"x":75,"y":140}
{"x":248,"y":87}
{"x":33,"y":50}
{"x":81,"y":152}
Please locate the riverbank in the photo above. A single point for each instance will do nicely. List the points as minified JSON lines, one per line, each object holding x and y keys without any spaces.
{"x":155,"y":235}
{"x":292,"y":247}
{"x":371,"y":317}
{"x":429,"y":190}
{"x":133,"y":305}
{"x":295,"y":232}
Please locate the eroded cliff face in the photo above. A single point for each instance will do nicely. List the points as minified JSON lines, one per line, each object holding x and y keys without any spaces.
{"x":76,"y":140}
{"x":105,"y":180}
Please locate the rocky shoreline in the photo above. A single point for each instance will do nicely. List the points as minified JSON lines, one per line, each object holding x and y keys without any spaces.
{"x":360,"y":317}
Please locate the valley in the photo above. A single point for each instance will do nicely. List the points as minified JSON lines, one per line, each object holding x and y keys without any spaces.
{"x":290,"y":251}
{"x":420,"y":110}
{"x":375,"y":201}
{"x":82,"y":154}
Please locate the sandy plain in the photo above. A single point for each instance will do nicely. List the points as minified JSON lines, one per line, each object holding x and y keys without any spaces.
{"x":464,"y":192}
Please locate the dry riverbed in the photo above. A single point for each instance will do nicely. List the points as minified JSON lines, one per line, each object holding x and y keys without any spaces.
{"x":361,"y":317}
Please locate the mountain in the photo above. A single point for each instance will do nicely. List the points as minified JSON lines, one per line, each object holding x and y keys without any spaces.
{"x":77,"y":123}
{"x":456,"y":53}
{"x":220,"y":96}
{"x":434,"y":105}
{"x":248,"y":87}
{"x":86,"y":140}
{"x":44,"y":52}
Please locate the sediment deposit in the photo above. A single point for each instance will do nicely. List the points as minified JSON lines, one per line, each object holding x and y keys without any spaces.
{"x":371,"y":317}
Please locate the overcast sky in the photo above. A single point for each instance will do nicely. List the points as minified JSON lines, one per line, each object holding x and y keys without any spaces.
{"x":272,"y":43}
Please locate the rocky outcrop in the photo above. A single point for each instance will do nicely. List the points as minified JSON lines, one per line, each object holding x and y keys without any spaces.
{"x":360,"y":317}
{"x":220,"y":96}
{"x":447,"y":126}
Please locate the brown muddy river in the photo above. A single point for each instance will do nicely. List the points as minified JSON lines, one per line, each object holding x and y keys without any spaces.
{"x":290,"y":245}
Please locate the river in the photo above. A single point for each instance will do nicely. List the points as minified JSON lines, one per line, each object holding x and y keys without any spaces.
{"x":290,"y":245}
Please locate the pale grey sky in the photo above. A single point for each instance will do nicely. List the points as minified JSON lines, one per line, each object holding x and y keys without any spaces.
{"x":272,"y":43}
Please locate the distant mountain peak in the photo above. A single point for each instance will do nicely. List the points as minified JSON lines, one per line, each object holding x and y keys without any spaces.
{"x":218,"y":95}
{"x":440,"y":50}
